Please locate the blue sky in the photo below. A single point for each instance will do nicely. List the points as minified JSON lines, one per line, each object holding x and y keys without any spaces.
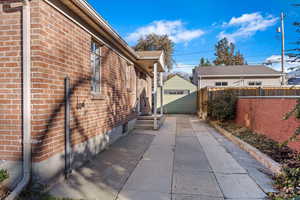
{"x":196,"y":25}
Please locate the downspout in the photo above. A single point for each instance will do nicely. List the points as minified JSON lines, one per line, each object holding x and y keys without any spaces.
{"x":26,"y":103}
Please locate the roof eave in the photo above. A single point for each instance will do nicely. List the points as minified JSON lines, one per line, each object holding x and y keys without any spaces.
{"x":240,"y":75}
{"x":87,"y":8}
{"x":109,"y":33}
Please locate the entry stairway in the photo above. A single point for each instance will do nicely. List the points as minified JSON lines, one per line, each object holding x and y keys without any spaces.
{"x":147,"y":122}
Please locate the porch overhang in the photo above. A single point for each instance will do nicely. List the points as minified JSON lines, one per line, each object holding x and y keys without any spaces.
{"x":147,"y":59}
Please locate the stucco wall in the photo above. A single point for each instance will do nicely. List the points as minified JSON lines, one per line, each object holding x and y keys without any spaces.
{"x":265,"y":116}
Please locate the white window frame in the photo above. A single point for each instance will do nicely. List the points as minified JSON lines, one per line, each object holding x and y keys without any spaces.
{"x":221,"y":83}
{"x":96,"y":84}
{"x":127,"y":76}
{"x":254,"y":83}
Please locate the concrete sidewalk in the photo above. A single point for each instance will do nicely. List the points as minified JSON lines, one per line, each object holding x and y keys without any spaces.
{"x":184,"y":160}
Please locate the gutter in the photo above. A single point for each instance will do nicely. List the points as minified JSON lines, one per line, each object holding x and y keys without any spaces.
{"x":88,"y":10}
{"x":26,"y":102}
{"x":83,"y":4}
{"x":242,"y":75}
{"x":53,"y":5}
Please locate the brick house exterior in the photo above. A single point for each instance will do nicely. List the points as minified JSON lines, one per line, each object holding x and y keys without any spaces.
{"x":61,"y":36}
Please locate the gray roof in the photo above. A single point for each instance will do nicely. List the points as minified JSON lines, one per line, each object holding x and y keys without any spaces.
{"x":237,"y":70}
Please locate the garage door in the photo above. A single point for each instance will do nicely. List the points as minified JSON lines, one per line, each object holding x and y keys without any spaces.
{"x":180,"y":101}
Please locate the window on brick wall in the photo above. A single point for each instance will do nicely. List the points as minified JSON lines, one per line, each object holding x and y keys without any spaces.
{"x":129,"y":77}
{"x":133,"y":78}
{"x":96,"y":67}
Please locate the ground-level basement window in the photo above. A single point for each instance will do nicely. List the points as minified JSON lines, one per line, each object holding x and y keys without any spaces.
{"x":96,"y":68}
{"x":221,"y":83}
{"x":177,"y":92}
{"x":253,"y":83}
{"x":125,"y":128}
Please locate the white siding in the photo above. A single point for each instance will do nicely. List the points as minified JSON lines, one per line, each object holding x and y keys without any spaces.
{"x":235,"y":82}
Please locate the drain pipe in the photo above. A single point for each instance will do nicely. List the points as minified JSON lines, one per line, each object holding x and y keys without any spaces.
{"x":26,"y":103}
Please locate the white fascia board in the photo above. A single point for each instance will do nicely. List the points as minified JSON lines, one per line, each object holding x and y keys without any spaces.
{"x":241,"y":75}
{"x":92,"y":12}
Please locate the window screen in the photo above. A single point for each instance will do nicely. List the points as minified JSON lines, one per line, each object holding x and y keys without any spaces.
{"x":96,"y":67}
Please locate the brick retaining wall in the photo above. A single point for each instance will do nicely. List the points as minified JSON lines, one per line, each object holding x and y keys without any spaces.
{"x":265,"y":116}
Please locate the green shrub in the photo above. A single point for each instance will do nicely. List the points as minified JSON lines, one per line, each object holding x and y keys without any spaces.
{"x":222,"y":107}
{"x":37,"y":191}
{"x":288,"y":184}
{"x":3,"y":175}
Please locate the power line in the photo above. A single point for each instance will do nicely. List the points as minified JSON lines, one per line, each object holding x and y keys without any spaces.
{"x":192,"y":53}
{"x":253,"y":56}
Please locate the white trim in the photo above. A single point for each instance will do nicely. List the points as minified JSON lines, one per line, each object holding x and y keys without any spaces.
{"x":88,"y":31}
{"x":149,"y":58}
{"x":93,"y":13}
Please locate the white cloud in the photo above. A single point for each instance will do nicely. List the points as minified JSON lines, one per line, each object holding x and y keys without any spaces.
{"x":182,"y":67}
{"x":245,"y":18}
{"x":174,"y":29}
{"x":275,"y":62}
{"x":247,"y":25}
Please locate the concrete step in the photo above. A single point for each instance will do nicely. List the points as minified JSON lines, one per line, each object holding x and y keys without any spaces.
{"x":144,"y":126}
{"x":150,"y":117}
{"x":144,"y":121}
{"x":147,"y":122}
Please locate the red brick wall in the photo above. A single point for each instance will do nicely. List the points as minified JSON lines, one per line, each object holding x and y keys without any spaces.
{"x":10,"y":82}
{"x":63,"y":49}
{"x":60,"y":48}
{"x":265,"y":116}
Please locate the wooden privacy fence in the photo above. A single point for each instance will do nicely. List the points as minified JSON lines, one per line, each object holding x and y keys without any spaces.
{"x":209,"y":93}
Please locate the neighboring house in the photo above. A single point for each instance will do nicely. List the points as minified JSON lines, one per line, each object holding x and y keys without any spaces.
{"x":293,"y":77}
{"x":236,"y":76}
{"x":294,"y":81}
{"x":179,"y":96}
{"x":52,"y":49}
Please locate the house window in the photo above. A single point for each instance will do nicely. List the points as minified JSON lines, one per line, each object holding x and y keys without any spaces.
{"x":221,"y":83}
{"x":176,"y":92}
{"x":254,"y":83}
{"x":96,"y":67}
{"x":129,"y":77}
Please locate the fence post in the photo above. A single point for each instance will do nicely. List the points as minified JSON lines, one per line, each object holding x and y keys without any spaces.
{"x":261,"y":91}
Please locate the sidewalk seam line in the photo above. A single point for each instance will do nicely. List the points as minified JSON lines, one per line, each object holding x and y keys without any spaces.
{"x":117,"y":196}
{"x":209,"y":162}
{"x":174,"y":148}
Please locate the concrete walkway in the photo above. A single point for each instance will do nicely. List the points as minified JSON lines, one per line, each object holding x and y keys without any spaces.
{"x":184,"y":160}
